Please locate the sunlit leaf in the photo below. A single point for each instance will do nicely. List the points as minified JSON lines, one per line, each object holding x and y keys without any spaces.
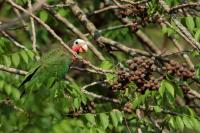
{"x":104,"y":120}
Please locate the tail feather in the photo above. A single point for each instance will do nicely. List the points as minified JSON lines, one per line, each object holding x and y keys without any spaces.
{"x":28,"y":78}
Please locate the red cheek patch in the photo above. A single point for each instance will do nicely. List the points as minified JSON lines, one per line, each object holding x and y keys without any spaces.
{"x":76,"y":48}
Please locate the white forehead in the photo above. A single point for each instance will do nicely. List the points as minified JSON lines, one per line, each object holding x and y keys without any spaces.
{"x":79,"y":41}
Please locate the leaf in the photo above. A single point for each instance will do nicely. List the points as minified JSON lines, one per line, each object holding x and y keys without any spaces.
{"x":187,"y":122}
{"x":104,"y":120}
{"x":197,"y":22}
{"x":162,"y":88}
{"x":169,"y":88}
{"x":76,"y":103}
{"x":165,"y":85}
{"x":195,"y":124}
{"x":7,"y":60}
{"x":138,"y":101}
{"x":30,"y":54}
{"x":62,"y":12}
{"x":179,"y":91}
{"x":16,"y":94}
{"x":43,"y":16}
{"x":197,"y":35}
{"x":190,"y":23}
{"x":24,"y":56}
{"x":119,"y":116}
{"x":1,"y":84}
{"x":15,"y":59}
{"x":172,"y":122}
{"x":7,"y":89}
{"x":106,"y":64}
{"x":90,"y":118}
{"x":180,"y":123}
{"x":114,"y":118}
{"x":157,"y":109}
{"x":164,"y":29}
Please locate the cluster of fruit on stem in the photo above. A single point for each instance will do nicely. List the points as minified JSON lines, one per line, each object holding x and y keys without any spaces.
{"x":147,"y":73}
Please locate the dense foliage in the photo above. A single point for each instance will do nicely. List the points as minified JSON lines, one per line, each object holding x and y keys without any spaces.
{"x":141,"y":74}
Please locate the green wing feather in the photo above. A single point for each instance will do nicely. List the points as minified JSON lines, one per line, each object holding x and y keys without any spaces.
{"x":55,"y":64}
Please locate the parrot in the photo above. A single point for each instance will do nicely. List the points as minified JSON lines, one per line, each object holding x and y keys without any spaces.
{"x":53,"y":65}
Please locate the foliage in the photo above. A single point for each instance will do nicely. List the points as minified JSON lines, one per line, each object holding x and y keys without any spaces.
{"x":119,"y":101}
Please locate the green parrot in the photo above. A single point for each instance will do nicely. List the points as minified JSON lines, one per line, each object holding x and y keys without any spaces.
{"x":54,"y":65}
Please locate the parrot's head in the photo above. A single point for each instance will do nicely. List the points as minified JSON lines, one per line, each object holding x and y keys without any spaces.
{"x":80,"y":46}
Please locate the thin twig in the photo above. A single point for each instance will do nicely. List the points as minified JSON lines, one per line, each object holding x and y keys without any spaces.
{"x":107,"y":8}
{"x":33,"y":37}
{"x":95,"y":95}
{"x":13,"y":70}
{"x":13,"y":40}
{"x":138,"y":113}
{"x":88,"y":70}
{"x":58,"y":5}
{"x":187,"y":5}
{"x":179,"y":47}
{"x":133,"y":2}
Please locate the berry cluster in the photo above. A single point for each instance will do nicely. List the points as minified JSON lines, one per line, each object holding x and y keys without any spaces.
{"x":179,"y":70}
{"x":143,"y":71}
{"x":140,"y":71}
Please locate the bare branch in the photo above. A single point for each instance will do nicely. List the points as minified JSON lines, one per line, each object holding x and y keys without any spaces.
{"x":95,"y":95}
{"x":13,"y":40}
{"x":13,"y":70}
{"x":32,"y":27}
{"x":187,"y":5}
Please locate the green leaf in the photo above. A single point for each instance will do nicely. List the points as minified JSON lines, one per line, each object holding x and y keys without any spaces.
{"x":8,"y":89}
{"x":90,"y":118}
{"x":30,"y":54}
{"x":180,"y":123}
{"x":7,"y":60}
{"x":24,"y":56}
{"x":114,"y":118}
{"x":157,"y":109}
{"x":16,"y":94}
{"x":62,"y":12}
{"x":169,"y":88}
{"x":187,"y":122}
{"x":165,"y":85}
{"x":162,"y":88}
{"x":15,"y":59}
{"x":190,"y":23}
{"x":1,"y":84}
{"x":43,"y":16}
{"x":197,"y":35}
{"x":195,"y":124}
{"x":106,"y":64}
{"x":197,"y":20}
{"x":76,"y":103}
{"x":164,"y":29}
{"x":179,"y":91}
{"x":138,"y":101}
{"x":104,"y":120}
{"x":119,"y":116}
{"x":172,"y":122}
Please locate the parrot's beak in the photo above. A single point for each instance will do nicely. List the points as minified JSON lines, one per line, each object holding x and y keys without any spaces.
{"x":84,"y":47}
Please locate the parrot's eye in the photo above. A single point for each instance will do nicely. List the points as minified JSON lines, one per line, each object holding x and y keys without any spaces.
{"x":76,"y":42}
